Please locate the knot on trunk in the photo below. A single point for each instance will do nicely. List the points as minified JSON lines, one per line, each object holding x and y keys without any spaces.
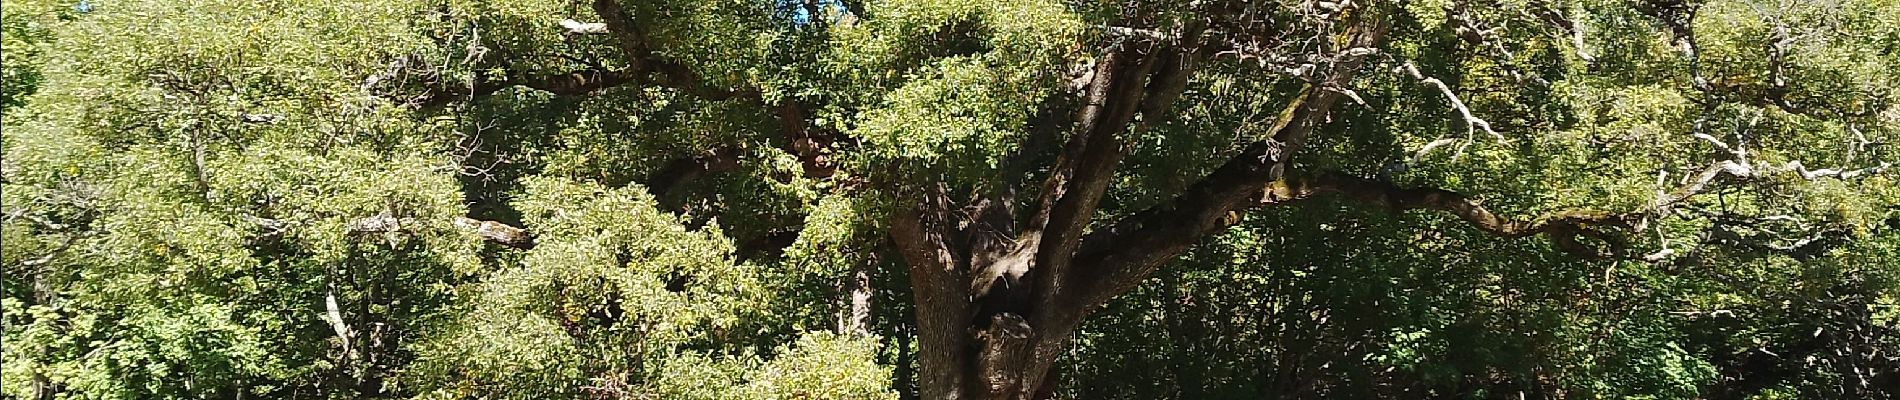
{"x":1004,"y":348}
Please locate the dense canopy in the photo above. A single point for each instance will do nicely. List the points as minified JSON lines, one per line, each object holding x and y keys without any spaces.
{"x":881,"y":199}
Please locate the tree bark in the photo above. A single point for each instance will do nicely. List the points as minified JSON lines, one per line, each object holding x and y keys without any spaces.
{"x":993,"y":315}
{"x":943,"y":309}
{"x":855,"y":318}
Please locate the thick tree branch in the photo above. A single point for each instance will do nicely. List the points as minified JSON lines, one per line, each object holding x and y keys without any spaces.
{"x":1075,"y":188}
{"x":1563,"y":227}
{"x":992,"y":229}
{"x":666,"y":183}
{"x":1679,"y":17}
{"x":1123,"y":254}
{"x":940,"y":290}
{"x":999,"y":361}
{"x":498,"y":233}
{"x":1008,"y":268}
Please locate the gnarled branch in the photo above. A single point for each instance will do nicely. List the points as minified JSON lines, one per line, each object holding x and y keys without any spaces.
{"x":1134,"y":247}
{"x":1562,"y":227}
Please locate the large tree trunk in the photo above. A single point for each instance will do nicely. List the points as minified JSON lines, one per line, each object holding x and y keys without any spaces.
{"x":998,"y":303}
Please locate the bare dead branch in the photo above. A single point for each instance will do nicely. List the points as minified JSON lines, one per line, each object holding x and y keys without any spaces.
{"x":1472,"y":122}
{"x":583,"y":28}
{"x":334,"y":315}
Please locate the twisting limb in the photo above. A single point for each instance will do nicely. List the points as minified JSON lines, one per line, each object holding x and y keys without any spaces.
{"x":1134,"y":247}
{"x":1472,"y":122}
{"x":1563,"y":227}
{"x":1738,"y":154}
{"x":1081,"y":173}
{"x":1679,"y":17}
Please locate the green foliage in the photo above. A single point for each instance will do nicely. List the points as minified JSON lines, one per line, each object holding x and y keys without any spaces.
{"x":188,"y":189}
{"x":620,"y":298}
{"x":24,"y":30}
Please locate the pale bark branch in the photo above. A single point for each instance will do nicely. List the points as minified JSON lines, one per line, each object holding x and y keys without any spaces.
{"x":50,"y":255}
{"x":1472,"y":122}
{"x":334,"y":315}
{"x":1570,"y":28}
{"x":855,"y":317}
{"x":583,"y":28}
{"x":1427,"y":149}
{"x":498,"y":233}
